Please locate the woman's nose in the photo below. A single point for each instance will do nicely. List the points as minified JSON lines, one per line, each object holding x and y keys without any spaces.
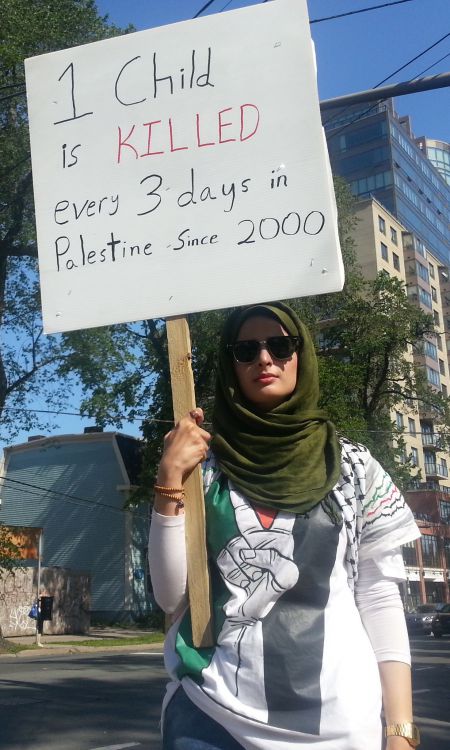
{"x":264,"y":355}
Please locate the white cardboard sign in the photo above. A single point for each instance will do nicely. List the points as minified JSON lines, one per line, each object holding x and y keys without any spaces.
{"x":181,"y":169}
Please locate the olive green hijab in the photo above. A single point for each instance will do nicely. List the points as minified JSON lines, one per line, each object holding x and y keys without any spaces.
{"x":287,"y":458}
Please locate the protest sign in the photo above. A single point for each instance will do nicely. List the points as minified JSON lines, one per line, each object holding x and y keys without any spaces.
{"x":181,"y":169}
{"x":177,"y":170}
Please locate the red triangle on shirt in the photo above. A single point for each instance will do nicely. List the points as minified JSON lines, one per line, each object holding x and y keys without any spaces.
{"x":266,"y":515}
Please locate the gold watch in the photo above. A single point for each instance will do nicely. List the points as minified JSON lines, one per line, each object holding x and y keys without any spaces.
{"x":407,"y":729}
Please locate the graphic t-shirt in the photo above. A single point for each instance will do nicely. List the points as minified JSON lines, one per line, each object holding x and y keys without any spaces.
{"x":292,"y":666}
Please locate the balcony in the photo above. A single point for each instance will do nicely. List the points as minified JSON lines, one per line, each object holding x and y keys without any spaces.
{"x":429,"y":440}
{"x":433,"y":469}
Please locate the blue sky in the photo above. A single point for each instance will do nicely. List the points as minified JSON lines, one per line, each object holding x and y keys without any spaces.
{"x":353,"y":54}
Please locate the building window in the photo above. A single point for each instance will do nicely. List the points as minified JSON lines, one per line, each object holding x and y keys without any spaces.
{"x":430,"y":554}
{"x":433,"y":376}
{"x":430,"y":349}
{"x":441,"y":367}
{"x":414,"y":456}
{"x":384,"y":251}
{"x":439,"y":342}
{"x":409,"y":554}
{"x":399,"y":420}
{"x":422,"y":271}
{"x":425,"y":297}
{"x":444,"y":390}
{"x":394,"y":236}
{"x":396,"y":261}
{"x":412,"y":426}
{"x":381,"y":225}
{"x":447,"y":552}
{"x":431,"y":270}
{"x":436,"y":318}
{"x":445,"y":511}
{"x":433,"y":294}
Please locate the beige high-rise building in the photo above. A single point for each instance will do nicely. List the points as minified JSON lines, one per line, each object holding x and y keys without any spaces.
{"x":384,"y":245}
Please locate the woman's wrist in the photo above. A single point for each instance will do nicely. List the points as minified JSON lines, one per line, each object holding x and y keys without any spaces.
{"x":397,"y":743}
{"x":169,"y":476}
{"x":169,"y":492}
{"x":169,"y":501}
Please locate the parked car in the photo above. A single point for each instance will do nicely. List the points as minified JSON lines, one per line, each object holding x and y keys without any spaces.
{"x":420,"y":619}
{"x":440,"y":623}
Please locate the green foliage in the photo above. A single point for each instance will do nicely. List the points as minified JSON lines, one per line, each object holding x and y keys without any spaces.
{"x":367,"y":369}
{"x":9,"y":552}
{"x":27,"y":358}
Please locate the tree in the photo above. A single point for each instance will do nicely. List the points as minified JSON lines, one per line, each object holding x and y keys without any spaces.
{"x":27,"y":358}
{"x":367,"y":369}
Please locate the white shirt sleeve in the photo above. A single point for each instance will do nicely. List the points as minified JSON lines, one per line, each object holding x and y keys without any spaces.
{"x":167,"y":551}
{"x":167,"y":561}
{"x":381,"y":609}
{"x":387,"y":520}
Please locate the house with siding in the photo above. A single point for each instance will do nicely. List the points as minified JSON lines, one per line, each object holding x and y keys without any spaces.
{"x":74,"y":488}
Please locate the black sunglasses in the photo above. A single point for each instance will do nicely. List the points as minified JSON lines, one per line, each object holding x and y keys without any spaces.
{"x":279,"y":347}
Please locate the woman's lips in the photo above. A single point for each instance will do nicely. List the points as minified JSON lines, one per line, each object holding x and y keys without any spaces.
{"x":265,"y":378}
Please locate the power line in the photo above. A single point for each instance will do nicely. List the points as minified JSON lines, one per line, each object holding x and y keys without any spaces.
{"x":208,"y":424}
{"x":319,"y":20}
{"x":205,"y":6}
{"x":66,"y":496}
{"x":359,"y":116}
{"x":11,"y":96}
{"x":85,"y":416}
{"x":225,"y":6}
{"x":419,"y":75}
{"x":12,"y":85}
{"x":338,"y":115}
{"x":361,"y":10}
{"x":413,"y":59}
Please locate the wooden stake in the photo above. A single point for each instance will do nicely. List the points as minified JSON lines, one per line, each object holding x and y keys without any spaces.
{"x":183,"y":397}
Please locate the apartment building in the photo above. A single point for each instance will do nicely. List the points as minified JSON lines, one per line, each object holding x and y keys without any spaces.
{"x":384,"y":245}
{"x":403,"y":187}
{"x":438,"y":152}
{"x":376,"y":152}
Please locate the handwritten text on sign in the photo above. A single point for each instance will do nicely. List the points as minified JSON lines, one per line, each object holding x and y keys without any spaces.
{"x":181,"y":169}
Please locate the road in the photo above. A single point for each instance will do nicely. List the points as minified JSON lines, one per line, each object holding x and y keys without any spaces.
{"x":431,"y":690}
{"x":82,"y":702}
{"x":111,"y":701}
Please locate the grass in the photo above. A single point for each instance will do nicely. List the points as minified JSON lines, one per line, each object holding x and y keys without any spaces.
{"x":138,"y":640}
{"x":10,"y":648}
{"x":133,"y":641}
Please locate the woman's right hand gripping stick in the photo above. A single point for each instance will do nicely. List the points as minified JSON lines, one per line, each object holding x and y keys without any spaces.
{"x":185,"y":446}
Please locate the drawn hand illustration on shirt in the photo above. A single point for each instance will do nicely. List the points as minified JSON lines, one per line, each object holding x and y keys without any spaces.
{"x":259,"y":562}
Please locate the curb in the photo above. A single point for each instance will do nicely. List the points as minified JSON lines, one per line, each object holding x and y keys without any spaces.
{"x":64,"y":650}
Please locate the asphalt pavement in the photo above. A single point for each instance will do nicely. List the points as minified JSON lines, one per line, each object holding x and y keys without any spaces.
{"x":106,"y":698}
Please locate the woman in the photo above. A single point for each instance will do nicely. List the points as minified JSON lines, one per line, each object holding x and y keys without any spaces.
{"x":304,"y":535}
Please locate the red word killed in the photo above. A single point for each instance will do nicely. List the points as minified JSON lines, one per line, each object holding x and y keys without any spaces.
{"x":168,"y":136}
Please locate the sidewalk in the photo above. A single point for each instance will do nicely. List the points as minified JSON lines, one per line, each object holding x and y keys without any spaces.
{"x":105,"y":638}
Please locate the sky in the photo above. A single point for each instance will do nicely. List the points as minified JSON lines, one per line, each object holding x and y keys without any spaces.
{"x":354,"y":53}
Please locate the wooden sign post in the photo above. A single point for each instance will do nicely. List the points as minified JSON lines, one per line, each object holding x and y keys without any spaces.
{"x":183,"y":397}
{"x":182,"y":169}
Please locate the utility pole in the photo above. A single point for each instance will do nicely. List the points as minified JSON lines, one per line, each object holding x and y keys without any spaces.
{"x":429,"y":83}
{"x":38,"y":619}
